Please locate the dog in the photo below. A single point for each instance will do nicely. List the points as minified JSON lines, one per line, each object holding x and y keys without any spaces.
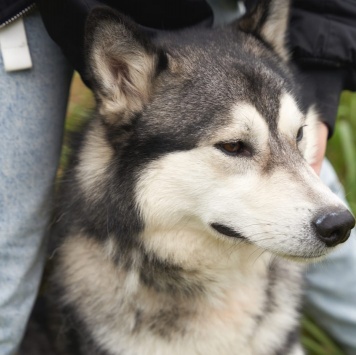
{"x":190,"y":205}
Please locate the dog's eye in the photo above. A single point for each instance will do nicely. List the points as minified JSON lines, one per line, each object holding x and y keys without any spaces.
{"x":300,"y":134}
{"x":235,"y":149}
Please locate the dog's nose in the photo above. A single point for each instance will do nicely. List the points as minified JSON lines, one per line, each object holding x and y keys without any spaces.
{"x":334,"y":228}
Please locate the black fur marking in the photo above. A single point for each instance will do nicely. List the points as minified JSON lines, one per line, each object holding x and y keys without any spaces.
{"x":119,"y":135}
{"x":181,"y":285}
{"x":138,"y":321}
{"x":114,"y":211}
{"x":273,"y":275}
{"x":292,"y":339}
{"x":162,"y":62}
{"x":169,"y":278}
{"x":71,"y":335}
{"x":227,"y":231}
{"x":270,"y":303}
{"x":167,"y":323}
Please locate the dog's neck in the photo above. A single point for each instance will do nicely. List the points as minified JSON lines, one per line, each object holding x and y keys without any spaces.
{"x":131,"y":295}
{"x":167,"y":264}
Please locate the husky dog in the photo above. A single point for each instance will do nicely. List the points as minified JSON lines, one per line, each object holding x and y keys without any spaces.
{"x":191,"y":198}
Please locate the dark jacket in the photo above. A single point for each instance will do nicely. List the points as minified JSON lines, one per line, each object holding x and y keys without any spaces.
{"x":322,"y":37}
{"x":11,"y":9}
{"x":65,"y":19}
{"x":323,"y":44}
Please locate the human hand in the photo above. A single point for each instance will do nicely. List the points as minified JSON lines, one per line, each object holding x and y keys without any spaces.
{"x":322,"y":138}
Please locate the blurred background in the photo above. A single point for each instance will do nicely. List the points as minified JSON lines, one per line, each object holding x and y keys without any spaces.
{"x":341,"y":152}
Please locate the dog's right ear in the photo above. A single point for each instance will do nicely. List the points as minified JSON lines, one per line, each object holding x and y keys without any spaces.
{"x":268,"y":21}
{"x":121,"y":62}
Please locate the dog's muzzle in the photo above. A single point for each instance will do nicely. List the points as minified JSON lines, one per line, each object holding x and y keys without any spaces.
{"x":334,"y":228}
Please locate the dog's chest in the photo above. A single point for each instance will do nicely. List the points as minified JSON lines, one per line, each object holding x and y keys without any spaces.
{"x":254,"y":318}
{"x":234,"y":315}
{"x":224,"y":325}
{"x":234,"y":321}
{"x":235,"y":324}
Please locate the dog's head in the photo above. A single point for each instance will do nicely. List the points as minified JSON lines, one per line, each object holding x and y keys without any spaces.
{"x":204,"y":130}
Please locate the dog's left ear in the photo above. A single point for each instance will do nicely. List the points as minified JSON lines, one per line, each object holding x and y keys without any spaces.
{"x":122,"y":64}
{"x":268,"y":21}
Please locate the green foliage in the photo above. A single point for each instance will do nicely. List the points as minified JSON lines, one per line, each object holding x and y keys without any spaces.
{"x":316,"y":341}
{"x":342,"y":146}
{"x":79,"y":107}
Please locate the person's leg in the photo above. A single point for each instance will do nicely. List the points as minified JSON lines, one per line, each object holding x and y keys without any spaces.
{"x":32,"y":110}
{"x":331,"y":284}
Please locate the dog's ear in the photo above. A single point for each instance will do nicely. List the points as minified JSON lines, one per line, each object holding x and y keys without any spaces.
{"x":269,"y":21}
{"x":121,"y":64}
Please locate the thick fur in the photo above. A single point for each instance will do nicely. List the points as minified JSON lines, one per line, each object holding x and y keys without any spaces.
{"x":171,"y":244}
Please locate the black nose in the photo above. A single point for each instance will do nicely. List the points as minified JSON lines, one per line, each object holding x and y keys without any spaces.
{"x":334,"y":228}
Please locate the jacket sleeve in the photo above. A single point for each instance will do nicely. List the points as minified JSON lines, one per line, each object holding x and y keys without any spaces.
{"x":65,"y":20}
{"x":323,"y":45}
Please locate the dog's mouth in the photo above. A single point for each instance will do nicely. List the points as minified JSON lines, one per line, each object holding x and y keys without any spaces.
{"x":227,"y":231}
{"x":232,"y":233}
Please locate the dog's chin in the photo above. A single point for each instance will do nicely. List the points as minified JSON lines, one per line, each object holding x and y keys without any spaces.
{"x":303,"y":258}
{"x":311,"y":256}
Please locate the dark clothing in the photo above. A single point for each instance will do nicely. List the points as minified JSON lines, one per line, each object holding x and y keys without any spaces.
{"x":9,"y":9}
{"x":323,"y":44}
{"x":323,"y":33}
{"x":65,"y":19}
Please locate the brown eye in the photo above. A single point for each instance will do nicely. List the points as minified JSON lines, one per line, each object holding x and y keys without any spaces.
{"x":235,"y":149}
{"x":300,"y":134}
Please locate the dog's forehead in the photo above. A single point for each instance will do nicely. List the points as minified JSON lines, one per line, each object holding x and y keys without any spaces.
{"x":213,"y":81}
{"x":287,"y":117}
{"x":226,"y":67}
{"x":245,"y":121}
{"x":208,"y":97}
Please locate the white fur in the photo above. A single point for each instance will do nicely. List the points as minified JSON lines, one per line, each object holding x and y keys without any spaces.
{"x":291,"y":119}
{"x":274,"y":211}
{"x":91,"y":169}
